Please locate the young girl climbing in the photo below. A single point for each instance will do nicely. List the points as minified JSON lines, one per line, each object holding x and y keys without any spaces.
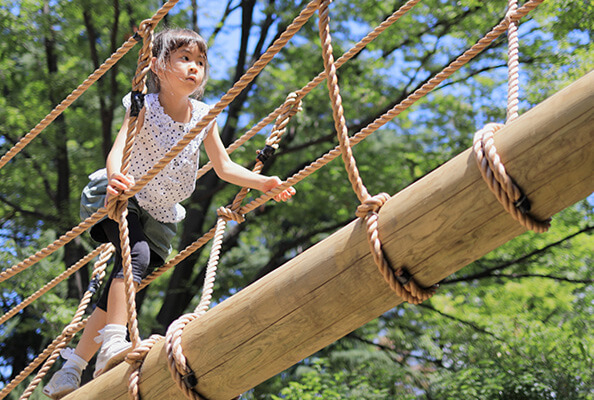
{"x":179,"y":70}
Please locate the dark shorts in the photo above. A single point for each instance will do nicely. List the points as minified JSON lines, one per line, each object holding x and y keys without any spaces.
{"x":158,"y":234}
{"x":143,"y":259}
{"x":150,"y":240}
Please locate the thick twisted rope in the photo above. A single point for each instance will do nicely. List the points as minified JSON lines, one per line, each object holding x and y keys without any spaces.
{"x":76,"y":324}
{"x":76,"y":93}
{"x":337,"y":109}
{"x":50,"y":285}
{"x":120,"y":209}
{"x":513,"y":64}
{"x":177,"y":362}
{"x":369,"y":206}
{"x":399,"y":280}
{"x":500,"y":183}
{"x":135,"y":358}
{"x":512,"y":198}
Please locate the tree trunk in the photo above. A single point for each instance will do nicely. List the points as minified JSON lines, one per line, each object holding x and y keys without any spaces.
{"x":72,"y":251}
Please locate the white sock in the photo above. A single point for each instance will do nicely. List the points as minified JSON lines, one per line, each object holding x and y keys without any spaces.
{"x":73,"y":361}
{"x":114,"y":333}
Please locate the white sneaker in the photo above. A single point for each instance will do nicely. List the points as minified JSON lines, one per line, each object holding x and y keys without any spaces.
{"x":65,"y":381}
{"x":116,"y":350}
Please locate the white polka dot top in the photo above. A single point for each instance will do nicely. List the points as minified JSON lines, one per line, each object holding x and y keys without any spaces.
{"x":176,"y":182}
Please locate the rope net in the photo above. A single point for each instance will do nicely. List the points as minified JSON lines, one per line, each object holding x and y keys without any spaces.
{"x":398,"y":278}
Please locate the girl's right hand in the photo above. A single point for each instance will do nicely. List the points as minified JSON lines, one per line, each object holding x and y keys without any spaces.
{"x":117,"y":184}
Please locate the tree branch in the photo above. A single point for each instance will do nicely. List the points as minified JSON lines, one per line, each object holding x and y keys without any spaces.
{"x":556,"y":278}
{"x":38,"y":215}
{"x":489,"y":272}
{"x":467,"y":323}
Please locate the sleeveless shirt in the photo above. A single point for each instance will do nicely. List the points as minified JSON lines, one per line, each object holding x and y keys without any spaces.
{"x":176,"y":182}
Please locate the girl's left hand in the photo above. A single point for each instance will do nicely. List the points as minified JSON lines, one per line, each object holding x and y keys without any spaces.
{"x":275,"y":181}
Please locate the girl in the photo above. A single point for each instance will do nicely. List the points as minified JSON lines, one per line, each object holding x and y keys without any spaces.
{"x":179,"y":71}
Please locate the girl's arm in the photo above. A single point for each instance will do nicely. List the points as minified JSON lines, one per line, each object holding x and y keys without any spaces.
{"x":119,"y":182}
{"x":234,"y":173}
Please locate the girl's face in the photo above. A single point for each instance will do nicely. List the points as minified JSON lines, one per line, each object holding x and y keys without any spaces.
{"x":185,"y":70}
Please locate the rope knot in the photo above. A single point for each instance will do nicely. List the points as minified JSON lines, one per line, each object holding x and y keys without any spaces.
{"x":115,"y":207}
{"x":494,"y":173}
{"x":230,"y":215}
{"x":372,"y":205}
{"x":145,"y":27}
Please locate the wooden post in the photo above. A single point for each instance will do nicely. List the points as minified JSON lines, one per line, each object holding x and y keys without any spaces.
{"x":434,"y":227}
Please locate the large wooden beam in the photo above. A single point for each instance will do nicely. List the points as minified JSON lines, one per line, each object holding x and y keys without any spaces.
{"x":434,"y":227}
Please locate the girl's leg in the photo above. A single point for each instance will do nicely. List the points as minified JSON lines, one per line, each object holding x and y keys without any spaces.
{"x":87,"y":347}
{"x":110,"y":316}
{"x":117,"y":307}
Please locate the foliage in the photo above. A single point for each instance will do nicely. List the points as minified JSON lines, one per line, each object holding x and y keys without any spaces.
{"x":512,"y":325}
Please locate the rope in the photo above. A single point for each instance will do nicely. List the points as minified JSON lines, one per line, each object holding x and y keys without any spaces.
{"x":120,"y":207}
{"x":178,"y":365}
{"x":370,"y":206}
{"x":513,"y":63}
{"x":500,"y":183}
{"x":512,"y":198}
{"x":135,"y":358}
{"x":68,"y":332}
{"x":79,"y":264}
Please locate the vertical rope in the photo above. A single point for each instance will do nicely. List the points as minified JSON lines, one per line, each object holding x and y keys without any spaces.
{"x":337,"y":109}
{"x":513,"y":63}
{"x":138,"y":86}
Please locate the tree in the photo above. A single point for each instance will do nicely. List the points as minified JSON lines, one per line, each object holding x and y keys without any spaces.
{"x":493,"y":329}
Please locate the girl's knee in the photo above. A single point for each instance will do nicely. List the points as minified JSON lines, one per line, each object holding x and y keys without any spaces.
{"x":141,"y":259}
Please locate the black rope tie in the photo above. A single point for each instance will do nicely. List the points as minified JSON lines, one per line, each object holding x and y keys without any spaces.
{"x":136,"y":103}
{"x":265,"y":153}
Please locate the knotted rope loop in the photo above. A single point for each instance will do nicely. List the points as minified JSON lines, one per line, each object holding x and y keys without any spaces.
{"x":372,"y":205}
{"x":135,"y":358}
{"x":115,"y":205}
{"x":493,"y":171}
{"x":181,"y":372}
{"x":289,"y":109}
{"x":230,"y":215}
{"x":400,"y":280}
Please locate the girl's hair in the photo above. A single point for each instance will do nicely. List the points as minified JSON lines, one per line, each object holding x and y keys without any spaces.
{"x":166,"y":42}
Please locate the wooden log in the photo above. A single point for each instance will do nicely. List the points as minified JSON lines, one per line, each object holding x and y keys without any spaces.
{"x":434,"y":227}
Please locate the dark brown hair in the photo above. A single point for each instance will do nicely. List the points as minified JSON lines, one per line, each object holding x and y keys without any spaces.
{"x":166,"y":42}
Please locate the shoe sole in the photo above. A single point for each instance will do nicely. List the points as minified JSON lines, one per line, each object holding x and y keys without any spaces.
{"x":113,"y":361}
{"x":57,"y":395}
